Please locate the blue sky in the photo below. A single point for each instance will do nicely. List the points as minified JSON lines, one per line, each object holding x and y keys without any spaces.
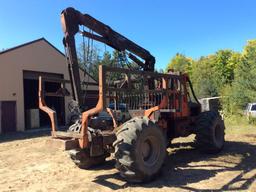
{"x":164,"y":27}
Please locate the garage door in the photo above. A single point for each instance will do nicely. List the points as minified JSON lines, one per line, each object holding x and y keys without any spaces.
{"x":8,"y":116}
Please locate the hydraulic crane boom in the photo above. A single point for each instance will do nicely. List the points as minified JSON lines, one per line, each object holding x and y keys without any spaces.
{"x":71,"y":19}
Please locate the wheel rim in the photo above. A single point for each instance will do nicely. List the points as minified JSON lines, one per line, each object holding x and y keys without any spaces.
{"x":150,"y":150}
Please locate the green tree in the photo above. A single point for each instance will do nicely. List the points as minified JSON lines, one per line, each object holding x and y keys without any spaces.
{"x":244,"y":84}
{"x":107,"y":59}
{"x":119,"y":59}
{"x":203,"y":76}
{"x":226,"y":73}
{"x":225,"y":64}
{"x":233,"y":62}
{"x":223,"y":69}
{"x":180,"y":63}
{"x":213,"y":73}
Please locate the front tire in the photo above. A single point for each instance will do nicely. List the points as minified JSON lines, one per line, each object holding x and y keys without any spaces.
{"x":140,"y":150}
{"x":210,"y":132}
{"x":82,"y":158}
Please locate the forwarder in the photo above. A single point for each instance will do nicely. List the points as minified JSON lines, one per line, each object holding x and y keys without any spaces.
{"x":161,"y":107}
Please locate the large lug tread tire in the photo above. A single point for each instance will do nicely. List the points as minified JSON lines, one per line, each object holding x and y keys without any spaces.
{"x":140,"y":150}
{"x":81,"y":157}
{"x":210,"y":132}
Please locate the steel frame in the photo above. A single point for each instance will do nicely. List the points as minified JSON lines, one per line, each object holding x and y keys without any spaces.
{"x":104,"y":91}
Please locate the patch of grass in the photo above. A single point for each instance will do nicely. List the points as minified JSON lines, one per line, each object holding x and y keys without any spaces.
{"x":239,"y":124}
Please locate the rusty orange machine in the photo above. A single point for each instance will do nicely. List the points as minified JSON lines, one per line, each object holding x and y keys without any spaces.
{"x":160,"y":107}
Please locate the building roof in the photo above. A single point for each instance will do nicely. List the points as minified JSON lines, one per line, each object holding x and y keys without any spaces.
{"x":29,"y":43}
{"x":35,"y":41}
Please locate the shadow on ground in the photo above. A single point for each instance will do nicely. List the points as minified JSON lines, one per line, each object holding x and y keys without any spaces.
{"x":24,"y":135}
{"x":178,"y":171}
{"x":29,"y":134}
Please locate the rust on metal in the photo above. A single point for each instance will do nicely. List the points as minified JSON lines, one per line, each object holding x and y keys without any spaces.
{"x":111,"y":113}
{"x":42,"y":105}
{"x":84,"y":141}
{"x":163,"y":104}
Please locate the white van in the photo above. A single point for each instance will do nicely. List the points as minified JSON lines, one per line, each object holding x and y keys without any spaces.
{"x":250,"y":110}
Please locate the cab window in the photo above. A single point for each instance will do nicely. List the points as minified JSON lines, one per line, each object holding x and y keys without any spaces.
{"x":253,"y":108}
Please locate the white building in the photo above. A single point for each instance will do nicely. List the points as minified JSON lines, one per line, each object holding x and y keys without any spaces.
{"x":20,"y":68}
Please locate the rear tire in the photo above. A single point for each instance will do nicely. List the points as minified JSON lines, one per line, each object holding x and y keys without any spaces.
{"x":140,"y":150}
{"x":210,"y":132}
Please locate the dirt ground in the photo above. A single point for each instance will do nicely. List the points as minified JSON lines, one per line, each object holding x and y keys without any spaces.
{"x":27,"y":164}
